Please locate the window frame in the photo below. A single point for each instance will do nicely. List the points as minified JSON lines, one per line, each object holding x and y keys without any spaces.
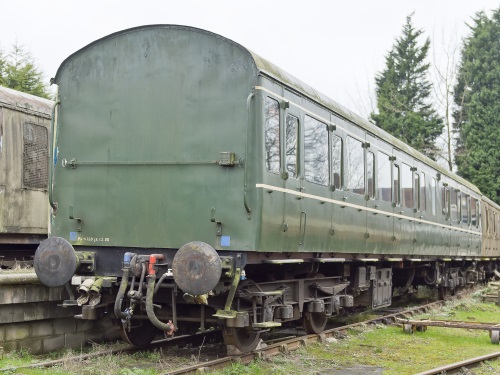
{"x":416,"y":191}
{"x":464,"y":197}
{"x":266,"y":153}
{"x":382,"y":154}
{"x":341,"y":164}
{"x":423,"y":192}
{"x":347,"y":175}
{"x":403,"y":185}
{"x":327,"y":159}
{"x":374,"y":175}
{"x":396,"y":190}
{"x":446,"y":202}
{"x":297,"y":146}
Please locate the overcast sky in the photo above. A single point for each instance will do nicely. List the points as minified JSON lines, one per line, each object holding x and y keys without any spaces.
{"x":336,"y":47}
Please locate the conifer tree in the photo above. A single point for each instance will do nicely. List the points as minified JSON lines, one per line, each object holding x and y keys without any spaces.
{"x":477,"y":100}
{"x":404,"y":91}
{"x":18,"y":71}
{"x":2,"y":68}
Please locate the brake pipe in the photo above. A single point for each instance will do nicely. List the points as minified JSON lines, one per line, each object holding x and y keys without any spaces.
{"x":162,"y":278}
{"x":141,"y":281}
{"x":124,"y":315}
{"x":168,"y":328}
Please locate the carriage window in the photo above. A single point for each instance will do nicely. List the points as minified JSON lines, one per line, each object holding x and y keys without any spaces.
{"x":416,"y":191}
{"x":479,"y":214}
{"x":272,"y":136}
{"x":370,"y":173}
{"x":395,"y":184}
{"x":423,"y":192}
{"x":465,"y":209}
{"x":337,"y":161}
{"x":384,"y":177}
{"x":291,"y":145}
{"x":446,"y":201}
{"x":406,"y":185}
{"x":355,"y":166}
{"x":316,"y":151}
{"x":433,"y":195}
{"x":469,"y":215}
{"x":454,"y":204}
{"x":473,"y":212}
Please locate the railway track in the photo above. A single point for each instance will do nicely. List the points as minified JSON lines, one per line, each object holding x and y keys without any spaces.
{"x":177,"y":340}
{"x":288,"y":345}
{"x":272,"y":347}
{"x":458,"y":367}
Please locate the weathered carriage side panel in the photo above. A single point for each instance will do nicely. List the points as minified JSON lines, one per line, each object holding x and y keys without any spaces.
{"x":490,"y":225}
{"x":24,"y":153}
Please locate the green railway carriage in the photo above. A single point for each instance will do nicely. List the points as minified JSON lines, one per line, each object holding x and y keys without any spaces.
{"x":491,"y":228}
{"x":183,"y":156}
{"x":24,"y":151}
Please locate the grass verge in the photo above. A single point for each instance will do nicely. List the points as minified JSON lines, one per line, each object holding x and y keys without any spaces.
{"x":391,"y":350}
{"x":387,"y":348}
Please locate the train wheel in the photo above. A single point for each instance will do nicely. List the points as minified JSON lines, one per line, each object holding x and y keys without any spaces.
{"x":445,"y":293}
{"x":244,"y":339}
{"x":139,"y":335}
{"x":314,"y":322}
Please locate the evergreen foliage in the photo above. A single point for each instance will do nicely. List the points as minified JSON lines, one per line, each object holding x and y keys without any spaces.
{"x":18,"y":71}
{"x":477,"y":100}
{"x":404,"y":92}
{"x":2,"y":68}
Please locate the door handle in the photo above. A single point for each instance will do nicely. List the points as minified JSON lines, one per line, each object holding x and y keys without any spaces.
{"x":303,"y":222}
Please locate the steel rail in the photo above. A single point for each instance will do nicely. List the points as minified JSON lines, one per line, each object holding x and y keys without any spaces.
{"x":127,"y":349}
{"x":288,"y":345}
{"x":457,"y":366}
{"x":283,"y":346}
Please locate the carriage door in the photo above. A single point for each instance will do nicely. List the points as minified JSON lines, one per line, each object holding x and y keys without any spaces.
{"x":339,"y":236}
{"x":354,"y":211}
{"x":379,"y":222}
{"x":316,"y":212}
{"x":420,"y":193}
{"x":273,"y":196}
{"x":404,"y":229}
{"x":293,"y":177}
{"x":465,"y":237}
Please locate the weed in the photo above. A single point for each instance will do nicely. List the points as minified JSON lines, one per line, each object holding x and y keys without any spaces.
{"x":135,"y":371}
{"x":153,"y":356}
{"x":389,"y":348}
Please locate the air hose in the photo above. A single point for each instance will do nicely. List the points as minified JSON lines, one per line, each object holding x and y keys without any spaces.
{"x":168,"y":328}
{"x":124,"y":315}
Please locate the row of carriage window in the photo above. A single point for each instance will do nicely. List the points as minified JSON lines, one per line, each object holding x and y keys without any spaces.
{"x":352,"y":169}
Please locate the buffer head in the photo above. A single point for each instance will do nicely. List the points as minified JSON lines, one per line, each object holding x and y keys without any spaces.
{"x":55,"y":261}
